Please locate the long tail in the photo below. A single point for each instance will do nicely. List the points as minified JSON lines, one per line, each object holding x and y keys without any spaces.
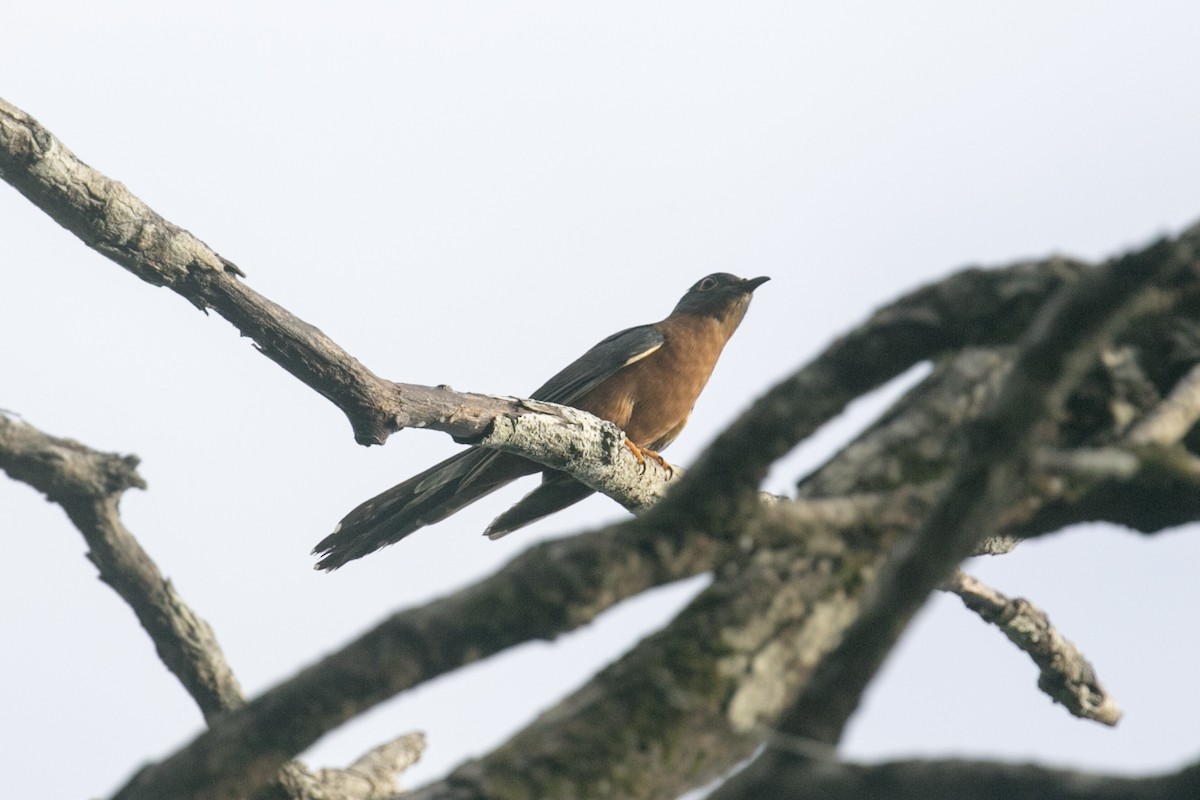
{"x":421,"y":500}
{"x":556,"y":491}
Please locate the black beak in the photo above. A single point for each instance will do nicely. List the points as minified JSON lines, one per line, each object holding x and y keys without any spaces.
{"x":750,"y":284}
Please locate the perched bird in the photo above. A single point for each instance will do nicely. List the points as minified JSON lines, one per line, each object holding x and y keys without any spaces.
{"x":644,"y":379}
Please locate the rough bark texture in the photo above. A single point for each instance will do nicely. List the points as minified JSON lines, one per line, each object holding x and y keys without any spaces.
{"x":114,"y":222}
{"x":1053,"y":400}
{"x":990,"y":474}
{"x":88,"y":485}
{"x":1064,"y":673}
{"x":951,"y":780}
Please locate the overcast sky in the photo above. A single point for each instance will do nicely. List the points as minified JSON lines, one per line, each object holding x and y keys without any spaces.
{"x":474,"y":194}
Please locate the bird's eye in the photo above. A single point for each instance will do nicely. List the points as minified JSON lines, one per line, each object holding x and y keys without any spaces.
{"x":708,"y":283}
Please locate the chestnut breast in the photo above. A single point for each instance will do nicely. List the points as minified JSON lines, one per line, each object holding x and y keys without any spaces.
{"x":652,"y":398}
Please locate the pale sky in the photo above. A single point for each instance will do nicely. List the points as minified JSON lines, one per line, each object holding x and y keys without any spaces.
{"x":474,"y":194}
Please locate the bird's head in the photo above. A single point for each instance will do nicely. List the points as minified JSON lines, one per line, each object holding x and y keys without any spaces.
{"x":722,"y":296}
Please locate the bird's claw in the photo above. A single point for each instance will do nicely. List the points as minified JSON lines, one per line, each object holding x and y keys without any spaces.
{"x":643,"y":453}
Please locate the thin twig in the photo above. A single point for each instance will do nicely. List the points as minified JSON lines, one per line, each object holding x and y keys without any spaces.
{"x":1065,"y":674}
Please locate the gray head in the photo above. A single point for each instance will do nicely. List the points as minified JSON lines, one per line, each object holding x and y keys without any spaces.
{"x":721,"y":295}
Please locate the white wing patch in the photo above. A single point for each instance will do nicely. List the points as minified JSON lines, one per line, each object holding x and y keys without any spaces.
{"x":636,"y":358}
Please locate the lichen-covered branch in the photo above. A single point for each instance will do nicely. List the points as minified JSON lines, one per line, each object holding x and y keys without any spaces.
{"x":788,"y":578}
{"x":974,"y":307}
{"x":791,"y":778}
{"x":1064,"y":674}
{"x":1174,"y":417}
{"x":688,"y":703}
{"x":88,"y":485}
{"x":373,"y":776}
{"x":110,"y":219}
{"x":114,"y":222}
{"x":991,"y":472}
{"x":1062,"y":342}
{"x":551,"y":588}
{"x":758,"y":694}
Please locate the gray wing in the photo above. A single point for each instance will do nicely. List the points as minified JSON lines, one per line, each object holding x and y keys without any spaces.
{"x":584,"y":374}
{"x":598,"y":364}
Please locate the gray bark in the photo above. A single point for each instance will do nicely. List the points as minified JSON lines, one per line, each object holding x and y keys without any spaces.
{"x":1062,"y":392}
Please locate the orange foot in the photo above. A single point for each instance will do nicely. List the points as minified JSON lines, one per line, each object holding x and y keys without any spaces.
{"x":642,"y":453}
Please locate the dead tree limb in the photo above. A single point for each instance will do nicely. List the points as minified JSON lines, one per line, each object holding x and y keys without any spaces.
{"x":799,"y":779}
{"x":1061,"y":344}
{"x":783,"y":590}
{"x":1064,"y":673}
{"x":88,"y":485}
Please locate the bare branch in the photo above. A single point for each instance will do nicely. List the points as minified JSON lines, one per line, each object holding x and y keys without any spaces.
{"x":1066,"y":675}
{"x":1149,"y":488}
{"x":318,"y":705}
{"x":371,"y":777}
{"x":592,"y":450}
{"x":791,"y":778}
{"x":110,"y":219}
{"x":117,"y":224}
{"x":703,"y":521}
{"x":688,"y":703}
{"x":553,"y":587}
{"x":1062,"y":341}
{"x":971,"y":308}
{"x":1174,"y":417}
{"x":88,"y":485}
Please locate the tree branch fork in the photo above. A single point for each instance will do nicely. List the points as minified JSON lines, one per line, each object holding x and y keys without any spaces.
{"x":665,"y":545}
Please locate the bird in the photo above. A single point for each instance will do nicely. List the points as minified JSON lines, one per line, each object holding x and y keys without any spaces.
{"x":644,"y":379}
